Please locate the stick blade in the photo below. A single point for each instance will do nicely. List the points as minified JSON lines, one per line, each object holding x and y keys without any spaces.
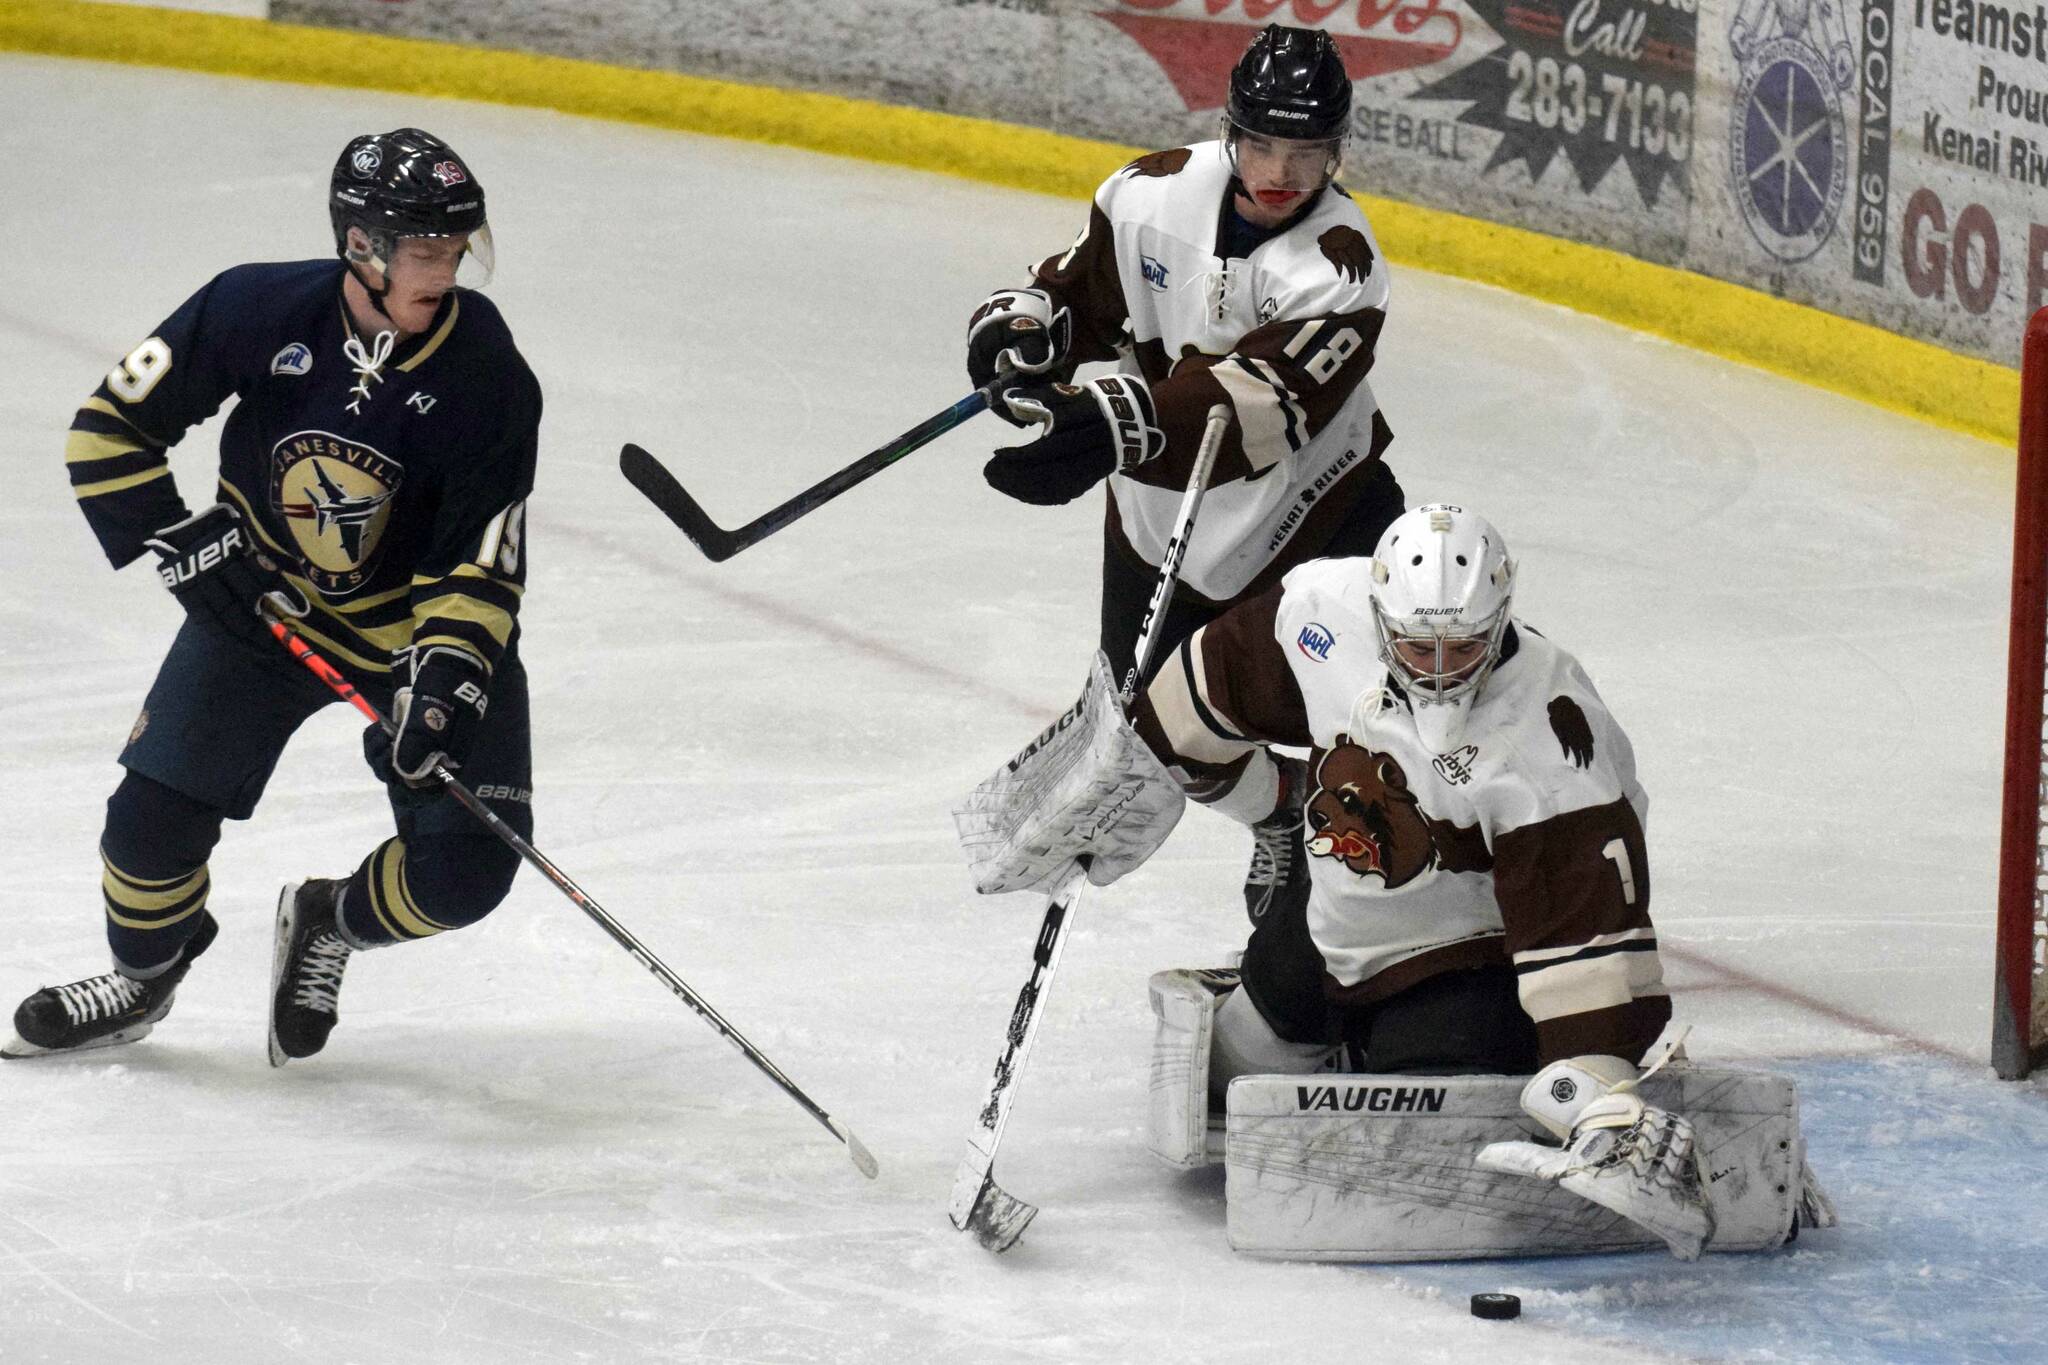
{"x":980,"y":1206}
{"x":999,"y":1219}
{"x":863,"y":1159}
{"x":659,"y":487}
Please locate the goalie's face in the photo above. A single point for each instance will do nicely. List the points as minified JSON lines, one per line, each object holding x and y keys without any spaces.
{"x":1438,"y":665}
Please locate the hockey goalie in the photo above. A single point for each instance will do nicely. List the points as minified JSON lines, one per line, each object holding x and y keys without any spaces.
{"x":1449,"y":1035}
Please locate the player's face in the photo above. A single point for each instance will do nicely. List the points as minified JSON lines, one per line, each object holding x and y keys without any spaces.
{"x":422,"y":271}
{"x":1434,"y":664}
{"x":1279,"y":174}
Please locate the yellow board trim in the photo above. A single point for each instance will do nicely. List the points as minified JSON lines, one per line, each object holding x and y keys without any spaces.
{"x":93,"y":490}
{"x":1853,"y":358}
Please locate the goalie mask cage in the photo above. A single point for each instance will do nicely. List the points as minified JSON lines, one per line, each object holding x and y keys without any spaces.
{"x":2019,"y":1010}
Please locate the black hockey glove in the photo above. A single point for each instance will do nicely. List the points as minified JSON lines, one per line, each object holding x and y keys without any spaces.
{"x":1092,"y":430}
{"x":437,"y":717}
{"x":212,"y":567}
{"x":1016,"y":331}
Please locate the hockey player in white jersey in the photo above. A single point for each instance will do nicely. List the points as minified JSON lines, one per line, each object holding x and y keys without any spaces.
{"x":1235,"y":272}
{"x":1480,"y":890}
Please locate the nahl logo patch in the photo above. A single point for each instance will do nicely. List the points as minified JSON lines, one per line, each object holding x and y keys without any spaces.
{"x":296,"y":358}
{"x":1315,"y":641}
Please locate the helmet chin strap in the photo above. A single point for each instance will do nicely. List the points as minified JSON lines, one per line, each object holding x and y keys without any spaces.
{"x":377,"y":296}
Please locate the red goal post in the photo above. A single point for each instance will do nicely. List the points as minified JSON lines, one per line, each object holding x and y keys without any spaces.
{"x":2019,"y":1010}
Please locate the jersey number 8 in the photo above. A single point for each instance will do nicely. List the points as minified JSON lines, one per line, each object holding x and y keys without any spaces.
{"x":138,"y":373}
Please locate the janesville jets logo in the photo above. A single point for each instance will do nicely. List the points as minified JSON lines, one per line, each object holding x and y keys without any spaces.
{"x":1788,"y":146}
{"x":335,"y":495}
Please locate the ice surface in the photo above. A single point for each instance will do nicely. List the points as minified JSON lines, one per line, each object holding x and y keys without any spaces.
{"x":519,"y":1148}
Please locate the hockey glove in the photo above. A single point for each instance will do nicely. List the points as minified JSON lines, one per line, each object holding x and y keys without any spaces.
{"x":437,"y":717}
{"x":211,"y":566}
{"x":1092,"y":430}
{"x":1016,"y":331}
{"x":1621,"y":1153}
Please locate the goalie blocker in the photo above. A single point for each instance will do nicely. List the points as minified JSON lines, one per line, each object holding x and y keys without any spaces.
{"x":1322,"y":1166}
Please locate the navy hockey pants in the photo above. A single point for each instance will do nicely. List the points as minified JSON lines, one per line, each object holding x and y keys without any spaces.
{"x":211,"y":731}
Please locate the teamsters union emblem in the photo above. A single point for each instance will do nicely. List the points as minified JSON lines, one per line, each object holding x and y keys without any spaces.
{"x":1788,"y":143}
{"x":335,"y":497}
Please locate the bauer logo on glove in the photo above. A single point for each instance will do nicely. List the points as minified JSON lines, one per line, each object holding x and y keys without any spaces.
{"x":1105,"y":426}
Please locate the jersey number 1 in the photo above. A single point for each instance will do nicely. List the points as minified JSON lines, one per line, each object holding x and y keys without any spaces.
{"x":1617,"y":851}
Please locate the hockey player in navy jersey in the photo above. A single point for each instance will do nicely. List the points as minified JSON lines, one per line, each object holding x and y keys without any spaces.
{"x":373,"y":481}
{"x":1237,"y":272}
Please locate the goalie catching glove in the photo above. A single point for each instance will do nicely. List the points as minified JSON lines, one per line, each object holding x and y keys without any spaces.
{"x":1619,"y":1152}
{"x":1105,"y":426}
{"x":210,"y":566}
{"x":1017,"y":332}
{"x":1087,"y":787}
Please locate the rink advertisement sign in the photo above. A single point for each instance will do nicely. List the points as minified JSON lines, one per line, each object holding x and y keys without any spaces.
{"x":1599,"y":82}
{"x":1972,"y":120}
{"x":1197,"y":42}
{"x":1788,"y":139}
{"x":1886,"y":160}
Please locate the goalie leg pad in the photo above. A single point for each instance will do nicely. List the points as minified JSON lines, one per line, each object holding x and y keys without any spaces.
{"x":1184,"y":1003}
{"x":1381,"y":1168}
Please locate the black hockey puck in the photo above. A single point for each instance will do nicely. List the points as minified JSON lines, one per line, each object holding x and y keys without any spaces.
{"x":1499,"y":1306}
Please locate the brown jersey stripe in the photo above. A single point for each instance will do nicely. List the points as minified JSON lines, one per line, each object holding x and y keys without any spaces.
{"x":1624,"y":1031}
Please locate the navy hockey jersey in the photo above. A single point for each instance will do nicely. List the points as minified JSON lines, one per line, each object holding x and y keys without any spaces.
{"x":393,"y":494}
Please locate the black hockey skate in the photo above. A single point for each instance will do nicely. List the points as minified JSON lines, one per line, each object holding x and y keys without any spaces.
{"x":306,"y":968}
{"x":103,"y":1010}
{"x":1279,"y":863}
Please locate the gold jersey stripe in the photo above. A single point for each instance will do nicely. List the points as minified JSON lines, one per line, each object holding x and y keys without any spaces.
{"x":128,"y":897}
{"x":145,"y":883}
{"x":101,"y":405}
{"x":105,"y":486}
{"x":459,"y":606}
{"x":454,"y":312}
{"x":391,"y":896}
{"x":84,"y":447}
{"x":473,"y":572}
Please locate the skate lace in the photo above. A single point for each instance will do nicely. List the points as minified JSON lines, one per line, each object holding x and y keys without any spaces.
{"x":99,"y":997}
{"x":318,"y":986}
{"x":367,"y":363}
{"x":1274,"y":840}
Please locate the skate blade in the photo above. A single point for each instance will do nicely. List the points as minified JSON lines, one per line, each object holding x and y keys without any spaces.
{"x":287,"y":923}
{"x":17,"y":1048}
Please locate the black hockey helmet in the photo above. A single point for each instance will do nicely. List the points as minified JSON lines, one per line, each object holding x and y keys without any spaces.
{"x":404,"y":183}
{"x":1290,"y":83}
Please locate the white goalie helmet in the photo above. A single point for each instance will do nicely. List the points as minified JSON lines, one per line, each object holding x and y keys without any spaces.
{"x":1441,"y":583}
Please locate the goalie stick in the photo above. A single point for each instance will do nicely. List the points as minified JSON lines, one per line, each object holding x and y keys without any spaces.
{"x":468,"y":800}
{"x":996,"y":1217}
{"x":660,"y":487}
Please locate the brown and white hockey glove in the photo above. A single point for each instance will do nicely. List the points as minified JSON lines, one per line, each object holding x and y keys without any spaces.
{"x":1105,"y":426}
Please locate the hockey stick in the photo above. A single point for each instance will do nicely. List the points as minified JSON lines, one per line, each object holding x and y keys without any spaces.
{"x":996,"y":1217}
{"x":467,"y":799}
{"x":646,"y":473}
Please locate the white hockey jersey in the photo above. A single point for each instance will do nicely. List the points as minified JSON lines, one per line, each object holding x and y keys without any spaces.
{"x":1525,"y":845}
{"x":1284,"y":337}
